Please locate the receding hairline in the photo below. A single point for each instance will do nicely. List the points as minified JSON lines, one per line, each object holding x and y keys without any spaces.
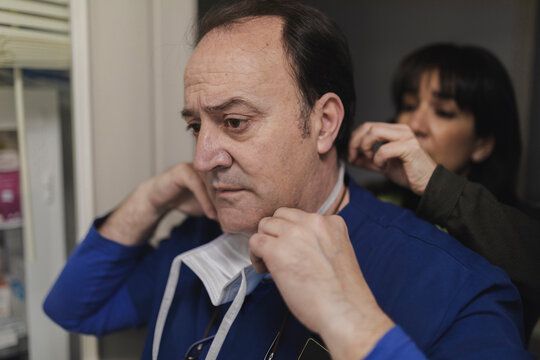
{"x":230,"y":25}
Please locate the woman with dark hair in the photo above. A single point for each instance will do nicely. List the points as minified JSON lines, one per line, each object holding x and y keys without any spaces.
{"x":473,"y":82}
{"x":456,"y":146}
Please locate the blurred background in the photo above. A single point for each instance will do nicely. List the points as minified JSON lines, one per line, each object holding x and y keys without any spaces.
{"x":90,"y":100}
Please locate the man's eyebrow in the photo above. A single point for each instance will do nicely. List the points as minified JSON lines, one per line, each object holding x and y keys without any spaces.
{"x":230,"y":103}
{"x":187,"y":113}
{"x":225,"y":106}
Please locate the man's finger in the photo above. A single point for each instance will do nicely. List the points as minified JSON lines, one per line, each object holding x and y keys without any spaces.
{"x":291,"y":214}
{"x":195,"y":184}
{"x":273,"y":225}
{"x":257,"y":245}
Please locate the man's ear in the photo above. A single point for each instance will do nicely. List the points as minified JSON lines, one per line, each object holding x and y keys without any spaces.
{"x":329,"y":114}
{"x":483,"y":149}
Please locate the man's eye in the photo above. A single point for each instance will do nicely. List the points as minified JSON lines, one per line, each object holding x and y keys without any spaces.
{"x":234,"y":123}
{"x":194,"y":128}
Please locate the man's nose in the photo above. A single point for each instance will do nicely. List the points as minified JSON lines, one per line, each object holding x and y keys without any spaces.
{"x":210,"y":150}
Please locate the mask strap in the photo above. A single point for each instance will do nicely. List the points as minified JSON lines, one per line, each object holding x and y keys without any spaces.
{"x":335,"y":191}
{"x":228,"y":320}
{"x":166,"y":302}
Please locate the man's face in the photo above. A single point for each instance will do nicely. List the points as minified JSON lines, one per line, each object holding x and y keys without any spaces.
{"x":244,"y":108}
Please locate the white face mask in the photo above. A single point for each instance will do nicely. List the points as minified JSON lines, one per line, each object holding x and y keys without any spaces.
{"x":224,"y":267}
{"x":219,"y":263}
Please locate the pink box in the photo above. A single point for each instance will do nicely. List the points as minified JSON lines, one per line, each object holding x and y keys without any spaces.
{"x":10,"y":199}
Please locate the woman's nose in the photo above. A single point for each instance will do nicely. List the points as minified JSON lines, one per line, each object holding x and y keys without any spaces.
{"x":418,"y":121}
{"x":211,"y":150}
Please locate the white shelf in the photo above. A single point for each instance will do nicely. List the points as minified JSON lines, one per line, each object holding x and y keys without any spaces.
{"x":12,"y":337}
{"x":11,"y":225}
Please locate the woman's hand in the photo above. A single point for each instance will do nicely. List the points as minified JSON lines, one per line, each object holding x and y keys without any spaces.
{"x":400,"y":157}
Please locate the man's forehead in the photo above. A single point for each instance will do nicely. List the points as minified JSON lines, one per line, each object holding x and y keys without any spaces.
{"x":240,"y":46}
{"x":244,"y":60}
{"x":257,"y":31}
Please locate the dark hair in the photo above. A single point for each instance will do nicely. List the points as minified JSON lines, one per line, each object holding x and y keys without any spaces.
{"x":479,"y":83}
{"x":317,"y":50}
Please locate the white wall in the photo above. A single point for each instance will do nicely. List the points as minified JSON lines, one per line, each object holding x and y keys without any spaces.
{"x":138,"y":52}
{"x":46,"y":255}
{"x":128,"y":94}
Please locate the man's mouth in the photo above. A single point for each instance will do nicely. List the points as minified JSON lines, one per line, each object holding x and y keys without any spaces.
{"x":225,"y":190}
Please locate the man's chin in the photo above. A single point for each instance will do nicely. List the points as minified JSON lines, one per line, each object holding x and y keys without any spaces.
{"x":238,"y":229}
{"x":238,"y":224}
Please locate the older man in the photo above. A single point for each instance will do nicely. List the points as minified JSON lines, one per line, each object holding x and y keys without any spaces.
{"x":269,"y":98}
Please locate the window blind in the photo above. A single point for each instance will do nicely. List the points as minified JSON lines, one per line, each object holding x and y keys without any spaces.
{"x":35,"y":34}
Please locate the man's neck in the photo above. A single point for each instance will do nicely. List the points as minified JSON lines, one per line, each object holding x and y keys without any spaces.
{"x":342,"y":198}
{"x":331,"y":186}
{"x":341,"y":201}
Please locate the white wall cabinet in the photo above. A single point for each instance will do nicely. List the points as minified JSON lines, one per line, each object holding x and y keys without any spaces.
{"x":127,"y":76}
{"x":42,"y":338}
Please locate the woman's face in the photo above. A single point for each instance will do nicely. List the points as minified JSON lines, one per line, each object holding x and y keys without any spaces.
{"x":443,"y":130}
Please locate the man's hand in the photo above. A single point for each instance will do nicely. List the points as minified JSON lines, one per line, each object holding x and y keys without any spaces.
{"x":400,"y":157}
{"x":314,"y":266}
{"x":135,"y":219}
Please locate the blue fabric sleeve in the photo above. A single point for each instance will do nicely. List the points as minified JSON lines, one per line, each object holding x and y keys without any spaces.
{"x":485,"y":329}
{"x":490,"y":326}
{"x":90,"y":296}
{"x":395,"y":344}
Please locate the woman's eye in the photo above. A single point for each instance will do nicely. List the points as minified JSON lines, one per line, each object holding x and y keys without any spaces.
{"x":408,"y":107}
{"x":446,"y":114}
{"x":194,"y":128}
